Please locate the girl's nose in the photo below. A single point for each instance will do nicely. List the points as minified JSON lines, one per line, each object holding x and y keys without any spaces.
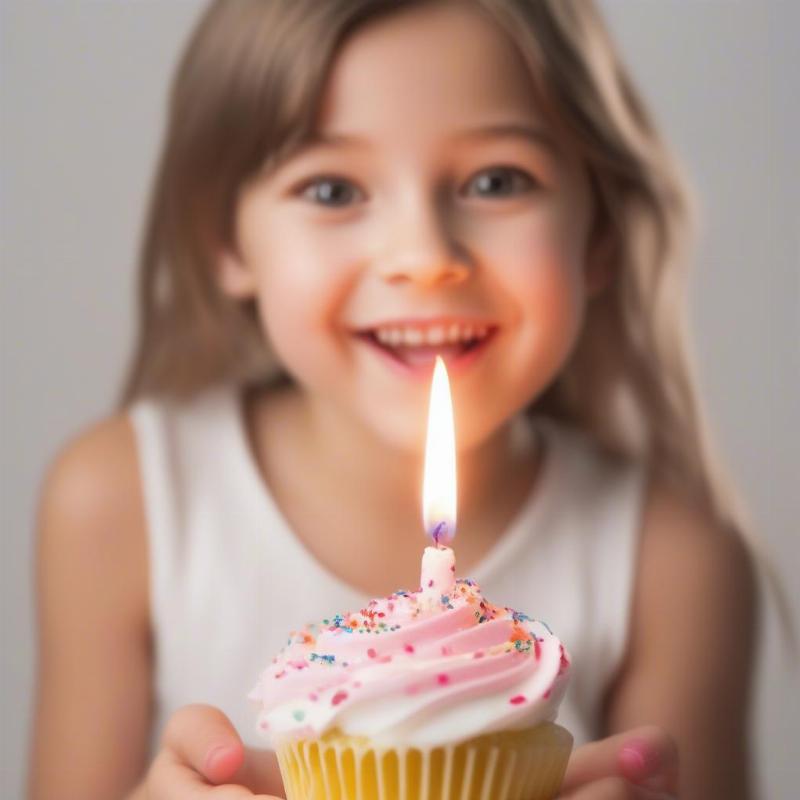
{"x":424,"y":253}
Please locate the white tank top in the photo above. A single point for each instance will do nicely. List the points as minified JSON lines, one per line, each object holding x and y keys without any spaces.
{"x":229,"y":580}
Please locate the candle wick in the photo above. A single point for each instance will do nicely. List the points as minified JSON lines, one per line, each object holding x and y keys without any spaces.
{"x":437,"y":531}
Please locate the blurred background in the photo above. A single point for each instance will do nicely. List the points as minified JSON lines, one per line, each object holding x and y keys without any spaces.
{"x":83,"y":95}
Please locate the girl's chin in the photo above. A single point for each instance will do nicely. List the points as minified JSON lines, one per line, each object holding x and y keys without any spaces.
{"x":406,"y":435}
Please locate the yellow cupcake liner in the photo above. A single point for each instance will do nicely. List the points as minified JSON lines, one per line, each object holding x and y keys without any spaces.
{"x":509,"y":765}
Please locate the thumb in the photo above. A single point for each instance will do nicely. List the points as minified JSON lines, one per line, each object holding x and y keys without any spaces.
{"x":204,"y":738}
{"x":646,"y":756}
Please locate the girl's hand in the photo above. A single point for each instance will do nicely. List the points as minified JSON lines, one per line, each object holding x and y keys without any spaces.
{"x":640,"y":764}
{"x":201,"y":758}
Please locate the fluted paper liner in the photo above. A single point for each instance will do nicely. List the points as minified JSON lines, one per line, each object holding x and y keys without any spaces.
{"x":509,"y":765}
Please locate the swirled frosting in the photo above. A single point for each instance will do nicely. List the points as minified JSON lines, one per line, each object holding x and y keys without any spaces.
{"x":414,"y":669}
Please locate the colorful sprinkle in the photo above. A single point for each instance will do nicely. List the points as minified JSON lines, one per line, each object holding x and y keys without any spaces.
{"x":339,"y":697}
{"x":371,"y":652}
{"x":517,"y":699}
{"x":299,"y":714}
{"x":442,"y":679}
{"x":325,"y":657}
{"x":409,"y":648}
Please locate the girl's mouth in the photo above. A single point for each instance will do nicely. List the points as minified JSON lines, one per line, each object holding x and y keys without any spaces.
{"x":412,"y":348}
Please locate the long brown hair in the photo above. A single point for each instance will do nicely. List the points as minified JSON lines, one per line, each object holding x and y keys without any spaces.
{"x":246,"y":94}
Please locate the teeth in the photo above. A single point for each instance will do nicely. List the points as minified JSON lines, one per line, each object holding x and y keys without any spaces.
{"x":413,"y":337}
{"x":435,"y":335}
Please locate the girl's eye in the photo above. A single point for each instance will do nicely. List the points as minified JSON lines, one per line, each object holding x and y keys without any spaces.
{"x":501,"y":181}
{"x":333,"y":192}
{"x":329,"y":191}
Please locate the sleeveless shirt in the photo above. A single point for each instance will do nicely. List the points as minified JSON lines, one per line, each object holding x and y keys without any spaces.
{"x":229,"y":579}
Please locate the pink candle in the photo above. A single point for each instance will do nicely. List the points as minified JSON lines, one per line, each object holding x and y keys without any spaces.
{"x":438,"y":575}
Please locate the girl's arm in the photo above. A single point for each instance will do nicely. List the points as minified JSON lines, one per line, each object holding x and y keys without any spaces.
{"x":92,"y":719}
{"x":93,"y":691}
{"x":692,"y":647}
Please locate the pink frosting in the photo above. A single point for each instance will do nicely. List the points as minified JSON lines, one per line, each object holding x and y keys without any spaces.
{"x":416,"y":670}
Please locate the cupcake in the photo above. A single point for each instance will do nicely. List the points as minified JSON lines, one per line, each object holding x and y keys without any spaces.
{"x":433,"y":693}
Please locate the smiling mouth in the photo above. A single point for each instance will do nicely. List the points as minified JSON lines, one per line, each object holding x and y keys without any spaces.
{"x":416,"y":346}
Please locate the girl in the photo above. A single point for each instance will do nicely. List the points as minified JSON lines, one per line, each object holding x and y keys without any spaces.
{"x":349,"y":187}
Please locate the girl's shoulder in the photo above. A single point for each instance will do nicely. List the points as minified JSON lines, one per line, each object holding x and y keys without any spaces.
{"x":685,"y":547}
{"x":91,"y":514}
{"x":94,"y":475}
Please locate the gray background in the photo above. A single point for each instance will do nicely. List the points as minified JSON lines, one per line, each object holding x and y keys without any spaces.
{"x":83,"y":90}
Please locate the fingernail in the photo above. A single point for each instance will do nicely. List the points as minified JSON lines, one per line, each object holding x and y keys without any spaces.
{"x":638,"y":760}
{"x":215,"y":755}
{"x":632,"y":761}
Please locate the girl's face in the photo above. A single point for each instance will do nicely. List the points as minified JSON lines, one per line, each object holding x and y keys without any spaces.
{"x":436,"y":213}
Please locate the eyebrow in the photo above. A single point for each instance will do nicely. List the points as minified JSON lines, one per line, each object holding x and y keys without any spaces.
{"x":508,"y":130}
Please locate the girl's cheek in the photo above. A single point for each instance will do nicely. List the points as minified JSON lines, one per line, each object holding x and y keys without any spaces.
{"x":544,"y":280}
{"x":296,"y":342}
{"x":558,"y":313}
{"x":299,"y":304}
{"x":544,"y":267}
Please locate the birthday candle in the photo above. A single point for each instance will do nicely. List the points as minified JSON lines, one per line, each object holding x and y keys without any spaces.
{"x":439,"y":490}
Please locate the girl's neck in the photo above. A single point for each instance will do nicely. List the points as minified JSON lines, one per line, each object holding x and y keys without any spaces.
{"x":493,"y":476}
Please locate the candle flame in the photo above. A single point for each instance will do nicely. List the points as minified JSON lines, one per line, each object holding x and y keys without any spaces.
{"x":439,"y":483}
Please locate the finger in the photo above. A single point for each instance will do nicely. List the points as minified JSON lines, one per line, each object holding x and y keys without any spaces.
{"x":171,"y":779}
{"x":613,"y":788}
{"x":650,"y":758}
{"x":203,"y":738}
